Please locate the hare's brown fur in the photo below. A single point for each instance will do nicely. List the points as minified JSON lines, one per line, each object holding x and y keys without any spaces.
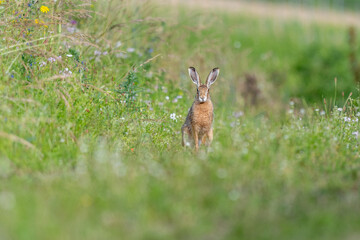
{"x":199,"y":121}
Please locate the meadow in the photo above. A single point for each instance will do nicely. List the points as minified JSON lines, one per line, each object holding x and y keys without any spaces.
{"x":92,"y":98}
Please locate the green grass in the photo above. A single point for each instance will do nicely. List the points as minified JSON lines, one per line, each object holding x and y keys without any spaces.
{"x":95,"y":155}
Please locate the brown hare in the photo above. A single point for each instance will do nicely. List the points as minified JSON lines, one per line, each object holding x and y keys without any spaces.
{"x":198,"y":124}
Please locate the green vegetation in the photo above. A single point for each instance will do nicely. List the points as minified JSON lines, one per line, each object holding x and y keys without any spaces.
{"x":88,"y":149}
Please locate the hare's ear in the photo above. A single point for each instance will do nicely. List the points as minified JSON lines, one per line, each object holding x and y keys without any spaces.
{"x":194,"y":76}
{"x":212,"y":77}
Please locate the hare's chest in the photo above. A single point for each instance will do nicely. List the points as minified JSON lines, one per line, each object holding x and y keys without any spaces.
{"x":203,"y":115}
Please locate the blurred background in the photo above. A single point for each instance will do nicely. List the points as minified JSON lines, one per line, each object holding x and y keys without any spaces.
{"x":268,"y":51}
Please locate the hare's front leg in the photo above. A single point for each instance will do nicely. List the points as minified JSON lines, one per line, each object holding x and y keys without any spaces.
{"x":196,"y":139}
{"x":204,"y":141}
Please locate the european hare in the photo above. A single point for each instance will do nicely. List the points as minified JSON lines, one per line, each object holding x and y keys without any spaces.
{"x":198,"y":123}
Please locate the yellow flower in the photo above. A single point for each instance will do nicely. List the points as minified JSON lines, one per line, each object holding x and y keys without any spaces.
{"x":37,"y":21}
{"x":44,"y":9}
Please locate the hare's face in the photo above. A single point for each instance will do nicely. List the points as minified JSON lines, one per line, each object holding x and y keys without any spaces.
{"x":202,"y":93}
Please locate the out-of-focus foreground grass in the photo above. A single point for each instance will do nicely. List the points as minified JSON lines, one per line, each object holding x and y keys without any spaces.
{"x":88,"y":149}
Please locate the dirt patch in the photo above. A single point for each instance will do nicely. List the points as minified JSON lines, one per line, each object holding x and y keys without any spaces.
{"x":276,"y":11}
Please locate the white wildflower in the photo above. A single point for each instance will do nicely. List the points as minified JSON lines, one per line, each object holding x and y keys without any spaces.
{"x":51,"y":59}
{"x":173,"y":116}
{"x":167,"y":98}
{"x":238,"y":114}
{"x":347,"y":119}
{"x":66,"y":72}
{"x":356,"y":134}
{"x":118,"y":44}
{"x":340,"y":109}
{"x":130,"y":50}
{"x":322,"y":113}
{"x":71,"y":29}
{"x":121,"y":55}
